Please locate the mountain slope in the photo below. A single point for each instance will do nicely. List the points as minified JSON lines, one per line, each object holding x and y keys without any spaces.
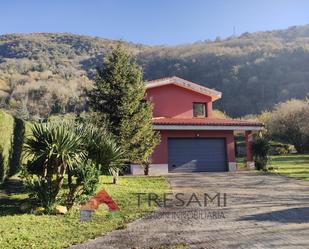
{"x":48,"y":72}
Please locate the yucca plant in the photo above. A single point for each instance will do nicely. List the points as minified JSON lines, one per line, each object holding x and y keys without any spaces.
{"x":79,"y":152}
{"x":54,"y":148}
{"x":103,"y":150}
{"x":103,"y":156}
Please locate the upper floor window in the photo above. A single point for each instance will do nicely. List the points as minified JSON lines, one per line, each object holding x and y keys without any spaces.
{"x":199,"y":110}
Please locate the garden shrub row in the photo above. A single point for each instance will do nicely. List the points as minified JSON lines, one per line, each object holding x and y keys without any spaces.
{"x":12,"y":134}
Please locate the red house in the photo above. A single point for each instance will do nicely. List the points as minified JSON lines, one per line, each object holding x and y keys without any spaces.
{"x":192,"y":140}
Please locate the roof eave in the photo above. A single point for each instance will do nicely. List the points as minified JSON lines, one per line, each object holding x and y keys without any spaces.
{"x":208,"y":127}
{"x":214,"y":94}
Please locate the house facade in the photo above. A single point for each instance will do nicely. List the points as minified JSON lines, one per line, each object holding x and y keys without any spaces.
{"x":192,"y":140}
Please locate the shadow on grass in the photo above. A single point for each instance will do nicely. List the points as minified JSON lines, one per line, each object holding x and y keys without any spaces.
{"x":288,"y":167}
{"x":304,"y":158}
{"x":8,"y":204}
{"x":292,"y":215}
{"x":12,"y":186}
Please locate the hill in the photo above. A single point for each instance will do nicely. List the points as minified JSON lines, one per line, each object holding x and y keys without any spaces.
{"x":45,"y":73}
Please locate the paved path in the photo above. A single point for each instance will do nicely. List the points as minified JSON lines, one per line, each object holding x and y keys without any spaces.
{"x":262,"y":211}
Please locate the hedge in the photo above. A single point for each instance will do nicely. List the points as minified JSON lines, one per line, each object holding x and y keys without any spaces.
{"x":12,"y":133}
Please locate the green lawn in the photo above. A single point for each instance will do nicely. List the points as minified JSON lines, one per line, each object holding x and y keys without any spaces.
{"x":296,"y":166}
{"x":50,"y":231}
{"x":241,"y":162}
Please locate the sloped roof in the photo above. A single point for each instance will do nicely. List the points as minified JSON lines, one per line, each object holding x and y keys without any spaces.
{"x":185,"y":84}
{"x":203,"y":121}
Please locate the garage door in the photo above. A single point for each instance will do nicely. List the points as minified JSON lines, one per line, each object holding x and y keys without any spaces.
{"x":196,"y":155}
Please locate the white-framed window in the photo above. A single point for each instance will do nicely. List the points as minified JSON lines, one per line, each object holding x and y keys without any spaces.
{"x":199,"y":109}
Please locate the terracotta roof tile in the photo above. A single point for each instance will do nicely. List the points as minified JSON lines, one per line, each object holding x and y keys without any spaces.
{"x":203,"y":121}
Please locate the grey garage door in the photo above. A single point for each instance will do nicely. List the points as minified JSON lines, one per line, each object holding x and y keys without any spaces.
{"x":196,"y":155}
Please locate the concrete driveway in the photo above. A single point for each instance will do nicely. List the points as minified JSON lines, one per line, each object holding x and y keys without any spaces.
{"x":262,"y":211}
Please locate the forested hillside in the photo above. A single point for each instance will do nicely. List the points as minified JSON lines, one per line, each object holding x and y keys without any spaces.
{"x":46,"y":73}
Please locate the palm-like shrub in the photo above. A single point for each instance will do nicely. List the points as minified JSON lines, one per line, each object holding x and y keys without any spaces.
{"x":54,"y":148}
{"x":79,"y":152}
{"x":260,"y":152}
{"x":103,"y":150}
{"x":103,"y":156}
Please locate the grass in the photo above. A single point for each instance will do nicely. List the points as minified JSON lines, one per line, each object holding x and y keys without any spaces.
{"x":241,"y":163}
{"x":296,"y":166}
{"x":50,"y":231}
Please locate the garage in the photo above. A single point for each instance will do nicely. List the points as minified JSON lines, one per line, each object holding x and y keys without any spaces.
{"x":197,"y":155}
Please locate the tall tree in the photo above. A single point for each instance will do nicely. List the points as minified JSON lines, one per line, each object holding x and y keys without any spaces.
{"x":119,"y":95}
{"x":22,"y":110}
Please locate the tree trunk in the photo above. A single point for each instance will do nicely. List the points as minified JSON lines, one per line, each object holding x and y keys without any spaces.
{"x":72,"y":190}
{"x":146,"y":166}
{"x":115,"y":176}
{"x":146,"y":170}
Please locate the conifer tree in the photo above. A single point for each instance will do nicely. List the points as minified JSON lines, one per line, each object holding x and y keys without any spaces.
{"x":119,"y":96}
{"x":22,"y":110}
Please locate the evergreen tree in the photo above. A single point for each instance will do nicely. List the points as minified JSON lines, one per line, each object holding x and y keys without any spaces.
{"x":119,"y":97}
{"x":22,"y":110}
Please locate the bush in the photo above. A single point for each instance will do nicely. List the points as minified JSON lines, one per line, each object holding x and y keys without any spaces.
{"x":42,"y":190}
{"x":12,"y":134}
{"x":282,"y":151}
{"x":17,"y":146}
{"x":86,"y":182}
{"x":289,"y":123}
{"x":260,"y":151}
{"x":69,"y":152}
{"x":219,"y":114}
{"x":6,"y":143}
{"x":277,"y":148}
{"x":54,"y":150}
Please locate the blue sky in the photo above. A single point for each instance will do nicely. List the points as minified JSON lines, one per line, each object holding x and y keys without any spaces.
{"x":151,"y":21}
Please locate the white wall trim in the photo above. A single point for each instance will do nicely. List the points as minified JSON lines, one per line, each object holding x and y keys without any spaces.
{"x":207,"y":127}
{"x":232,"y":167}
{"x":250,"y":165}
